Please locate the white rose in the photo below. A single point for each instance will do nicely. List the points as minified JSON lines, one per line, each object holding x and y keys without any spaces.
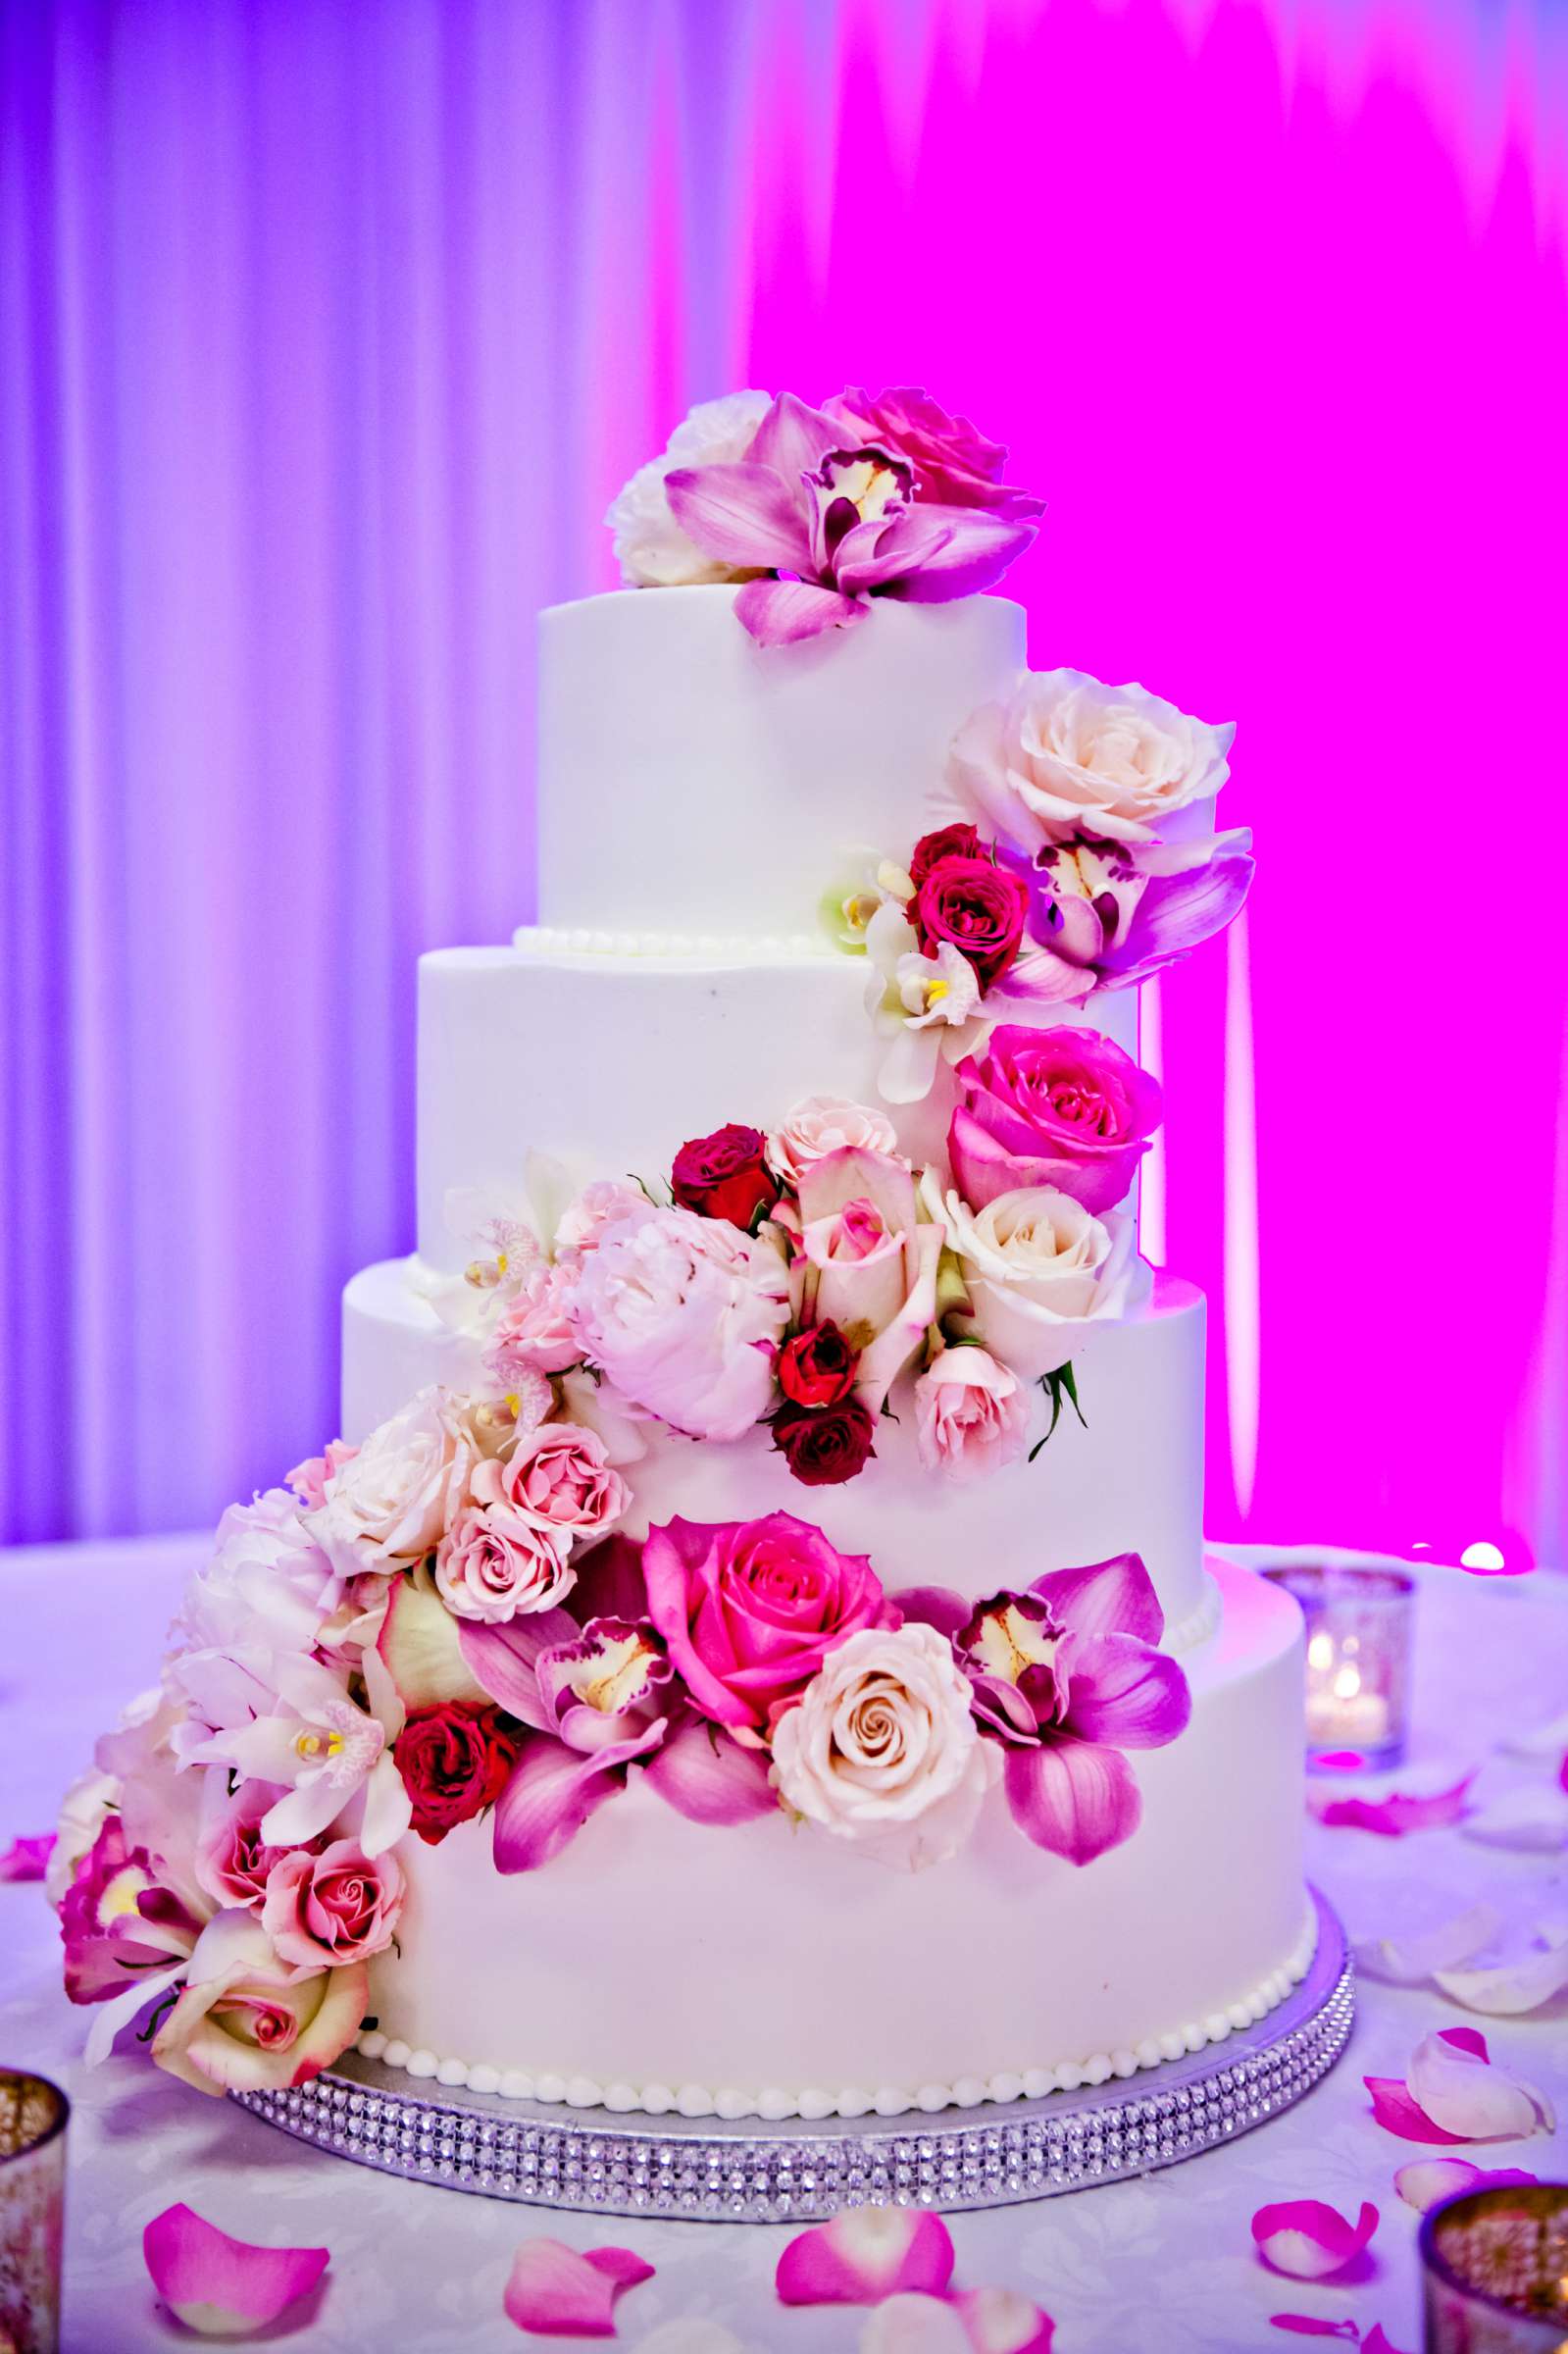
{"x":394,"y":1501}
{"x":884,"y":1750}
{"x":651,"y":548}
{"x":1037,"y":1266}
{"x":269,"y":1580}
{"x":682,"y":1315}
{"x":1069,"y":756}
{"x":824,"y":1124}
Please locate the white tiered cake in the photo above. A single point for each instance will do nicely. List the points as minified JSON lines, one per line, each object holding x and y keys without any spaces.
{"x":752,"y":1650}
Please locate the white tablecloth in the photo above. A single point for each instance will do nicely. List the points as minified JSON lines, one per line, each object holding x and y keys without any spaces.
{"x":1165,"y":2263}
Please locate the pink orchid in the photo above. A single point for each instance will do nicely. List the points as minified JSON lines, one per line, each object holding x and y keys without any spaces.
{"x":865,"y":2254}
{"x":835,"y":519}
{"x":599,"y":1700}
{"x":219,"y":2286}
{"x":954,"y":465}
{"x":1108,"y":914}
{"x":1309,"y":2240}
{"x":1456,"y":2092}
{"x":556,"y":2291}
{"x":1397,"y":1815}
{"x":867,"y":1263}
{"x":26,"y":1858}
{"x":1428,"y":2181}
{"x":1067,"y":1677}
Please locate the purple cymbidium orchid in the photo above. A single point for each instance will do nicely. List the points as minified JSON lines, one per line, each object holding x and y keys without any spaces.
{"x":1107,"y":914}
{"x":1066,"y":1676}
{"x":834,"y":522}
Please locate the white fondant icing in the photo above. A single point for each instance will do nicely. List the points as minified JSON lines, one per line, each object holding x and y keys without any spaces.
{"x":689,"y":779}
{"x":834,"y":1981}
{"x":1131,"y":1481}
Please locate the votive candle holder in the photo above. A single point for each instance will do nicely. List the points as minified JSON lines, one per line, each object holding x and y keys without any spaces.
{"x":1360,"y":1620}
{"x":1495,"y":2272}
{"x":32,"y":2199}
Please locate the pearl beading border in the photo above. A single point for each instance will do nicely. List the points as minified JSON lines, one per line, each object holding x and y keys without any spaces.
{"x":544,"y":940}
{"x":1034,"y":2152}
{"x":813,"y":2105}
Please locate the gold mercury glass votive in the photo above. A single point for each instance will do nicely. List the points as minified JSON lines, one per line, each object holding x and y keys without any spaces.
{"x":1360,"y":1621}
{"x":32,"y":2203}
{"x":1495,"y":2272}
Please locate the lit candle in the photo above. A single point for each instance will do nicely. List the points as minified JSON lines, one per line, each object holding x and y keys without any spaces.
{"x":1358,"y":1637}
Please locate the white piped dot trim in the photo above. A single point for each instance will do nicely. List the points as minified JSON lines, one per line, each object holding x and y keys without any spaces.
{"x":543,"y":942}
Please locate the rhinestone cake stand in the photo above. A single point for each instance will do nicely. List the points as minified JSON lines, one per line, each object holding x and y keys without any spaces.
{"x":750,"y":2173}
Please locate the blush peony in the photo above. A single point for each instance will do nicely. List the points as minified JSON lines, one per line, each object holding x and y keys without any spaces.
{"x":751,"y":1608}
{"x":1062,"y":1107}
{"x":884,"y":1748}
{"x":1068,"y":756}
{"x":682,"y":1315}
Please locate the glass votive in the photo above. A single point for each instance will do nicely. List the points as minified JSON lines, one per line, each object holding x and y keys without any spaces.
{"x":1495,"y":2272}
{"x":1359,"y":1620}
{"x":32,"y":2203}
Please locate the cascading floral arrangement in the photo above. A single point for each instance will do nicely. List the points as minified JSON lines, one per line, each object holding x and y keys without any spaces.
{"x":1080,"y":858}
{"x":452,"y":1618}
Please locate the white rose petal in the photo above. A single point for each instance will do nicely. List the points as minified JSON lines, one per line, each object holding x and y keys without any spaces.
{"x":651,"y":548}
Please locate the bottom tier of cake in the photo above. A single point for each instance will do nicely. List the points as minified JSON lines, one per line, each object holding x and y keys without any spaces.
{"x":769,"y":1971}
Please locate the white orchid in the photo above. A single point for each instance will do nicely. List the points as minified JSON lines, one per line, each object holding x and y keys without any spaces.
{"x":927,"y":1006}
{"x":289,"y":1719}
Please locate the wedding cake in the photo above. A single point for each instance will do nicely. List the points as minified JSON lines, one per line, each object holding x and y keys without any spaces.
{"x":753,"y":1650}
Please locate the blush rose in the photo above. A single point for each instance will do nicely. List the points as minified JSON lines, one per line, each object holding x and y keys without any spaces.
{"x":751,"y":1608}
{"x":340,"y":1906}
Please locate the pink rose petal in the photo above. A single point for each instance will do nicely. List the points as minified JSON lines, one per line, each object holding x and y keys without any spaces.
{"x":1533,"y":1820}
{"x":1397,"y":2112}
{"x":1310,"y":2240}
{"x":1427,"y":2181}
{"x":222,"y":2288}
{"x":1000,"y":2321}
{"x":1407,"y":1961}
{"x":912,"y":2323}
{"x":1393,"y":1817}
{"x":1307,"y":2324}
{"x":1521,"y":1982}
{"x":27,"y":1859}
{"x":1454,"y":2083}
{"x":864,"y":2255}
{"x":554,"y":2288}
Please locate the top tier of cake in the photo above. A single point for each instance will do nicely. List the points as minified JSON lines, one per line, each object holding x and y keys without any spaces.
{"x":691,"y":782}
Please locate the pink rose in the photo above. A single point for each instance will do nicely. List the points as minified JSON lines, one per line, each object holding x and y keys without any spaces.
{"x":558,"y":1476}
{"x":751,"y":1608}
{"x":954,"y":465}
{"x":866,"y":1264}
{"x":493,"y":1563}
{"x":682,"y":1315}
{"x":233,"y":1860}
{"x":824,"y":1124}
{"x":532,"y":1332}
{"x":1064,"y":1108}
{"x":246,"y":2020}
{"x":323,"y":1910}
{"x":971,"y":1415}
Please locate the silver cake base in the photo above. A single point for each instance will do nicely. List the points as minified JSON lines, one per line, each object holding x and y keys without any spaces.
{"x":751,"y":2172}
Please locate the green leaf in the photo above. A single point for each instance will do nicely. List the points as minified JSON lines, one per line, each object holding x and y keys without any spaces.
{"x":1063,"y":1383}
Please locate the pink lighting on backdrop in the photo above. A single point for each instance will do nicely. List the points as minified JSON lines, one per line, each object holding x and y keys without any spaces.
{"x":341,"y":328}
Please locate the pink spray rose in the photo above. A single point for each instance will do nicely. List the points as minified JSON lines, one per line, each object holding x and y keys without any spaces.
{"x":246,"y":2021}
{"x":751,"y":1608}
{"x":233,"y":1860}
{"x":559,"y":1478}
{"x":682,"y":1315}
{"x":533,"y":1332}
{"x":971,"y":1415}
{"x":323,"y":1910}
{"x":1063,"y":1107}
{"x":493,"y":1561}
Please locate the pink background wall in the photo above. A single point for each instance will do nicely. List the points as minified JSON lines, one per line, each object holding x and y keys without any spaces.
{"x":325,"y":345}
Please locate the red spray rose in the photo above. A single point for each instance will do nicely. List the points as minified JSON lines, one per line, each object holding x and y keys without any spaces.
{"x":817,"y":1367}
{"x":455,"y":1762}
{"x":949,"y":841}
{"x":978,"y":906}
{"x":725,"y":1175}
{"x":827,"y":1445}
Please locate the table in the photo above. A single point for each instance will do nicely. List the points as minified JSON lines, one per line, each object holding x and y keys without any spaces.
{"x":1164,"y":2265}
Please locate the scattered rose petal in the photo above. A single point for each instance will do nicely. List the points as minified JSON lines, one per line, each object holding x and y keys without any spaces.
{"x":222,"y":2288}
{"x":1533,"y":1821}
{"x":1310,"y":2240}
{"x":691,"y":2334}
{"x":572,"y":2293}
{"x":1520,"y":1983}
{"x":1407,"y":1961}
{"x":27,"y":1859}
{"x":1307,"y":2324}
{"x":1547,"y":1740}
{"x":1001,"y":2320}
{"x":1427,"y":2181}
{"x":1378,"y":2341}
{"x":913,"y":2323}
{"x":1393,"y":1817}
{"x":1456,"y":2092}
{"x":866,"y":2254}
